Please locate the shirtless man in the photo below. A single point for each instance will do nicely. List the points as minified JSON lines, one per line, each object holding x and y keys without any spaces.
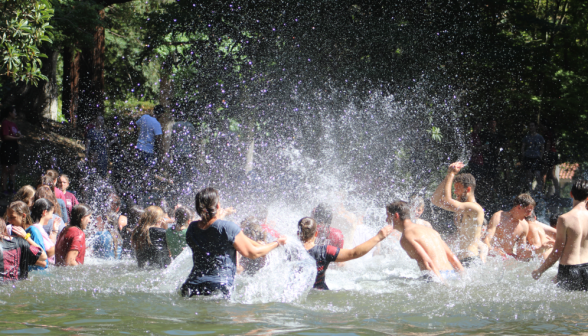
{"x":469,"y":215}
{"x":417,"y":207}
{"x":511,"y":229}
{"x":537,"y":236}
{"x":571,"y":243}
{"x":423,"y":244}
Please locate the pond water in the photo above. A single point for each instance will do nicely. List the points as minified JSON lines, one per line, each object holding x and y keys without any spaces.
{"x":379,"y":295}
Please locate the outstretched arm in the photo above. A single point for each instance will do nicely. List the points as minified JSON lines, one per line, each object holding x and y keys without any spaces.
{"x":362,"y":249}
{"x":453,"y":259}
{"x":252,"y":250}
{"x":491,"y":230}
{"x":558,"y":247}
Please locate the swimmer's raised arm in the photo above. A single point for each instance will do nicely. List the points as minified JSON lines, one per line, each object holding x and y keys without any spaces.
{"x":362,"y":249}
{"x":558,"y":247}
{"x":248,"y":248}
{"x":443,"y":197}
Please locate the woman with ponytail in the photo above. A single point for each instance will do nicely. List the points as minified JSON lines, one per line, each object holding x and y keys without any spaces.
{"x":214,"y":243}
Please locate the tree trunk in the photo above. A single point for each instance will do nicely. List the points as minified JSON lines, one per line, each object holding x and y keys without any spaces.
{"x":38,"y":102}
{"x":71,"y":84}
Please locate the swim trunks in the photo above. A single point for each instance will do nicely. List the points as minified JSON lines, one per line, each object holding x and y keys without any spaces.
{"x":573,"y":277}
{"x":470,"y":261}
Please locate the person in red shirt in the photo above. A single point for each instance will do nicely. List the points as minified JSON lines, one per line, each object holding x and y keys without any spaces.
{"x":54,"y":175}
{"x":70,"y":199}
{"x":70,"y":248}
{"x":17,"y":252}
{"x":9,"y":153}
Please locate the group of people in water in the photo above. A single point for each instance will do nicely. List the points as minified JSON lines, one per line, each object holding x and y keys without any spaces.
{"x":46,"y":225}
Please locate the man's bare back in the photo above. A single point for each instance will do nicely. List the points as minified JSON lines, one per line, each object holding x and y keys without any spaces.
{"x":571,"y":243}
{"x":538,"y":238}
{"x":425,"y":245}
{"x":469,"y":215}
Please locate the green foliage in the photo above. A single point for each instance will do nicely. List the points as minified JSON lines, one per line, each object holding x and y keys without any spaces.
{"x":75,"y":22}
{"x":24,"y":27}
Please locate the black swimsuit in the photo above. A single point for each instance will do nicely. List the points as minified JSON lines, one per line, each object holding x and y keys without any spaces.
{"x":573,"y":277}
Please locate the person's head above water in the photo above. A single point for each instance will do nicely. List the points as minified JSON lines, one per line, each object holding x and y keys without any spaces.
{"x":81,"y":215}
{"x":417,"y":206}
{"x":397,"y":212}
{"x":42,"y":209}
{"x":18,"y":214}
{"x":323,"y":214}
{"x":252,"y":229}
{"x":532,"y":217}
{"x":25,"y":194}
{"x":523,"y":206}
{"x":182,"y":216}
{"x":307,"y":229}
{"x":464,"y":185}
{"x":152,"y":217}
{"x":207,"y":203}
{"x":579,"y":190}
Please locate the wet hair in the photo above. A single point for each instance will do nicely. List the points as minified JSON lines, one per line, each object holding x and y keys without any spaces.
{"x":37,"y":209}
{"x":553,"y":219}
{"x":140,"y":237}
{"x":580,"y":190}
{"x":306,"y":229}
{"x":25,"y":194}
{"x":21,"y":208}
{"x":252,"y":229}
{"x":323,"y":214}
{"x":524,"y":200}
{"x":182,"y":215}
{"x":46,"y":192}
{"x":77,"y":213}
{"x":466,"y":180}
{"x":47,"y":180}
{"x":206,"y":201}
{"x":54,"y":174}
{"x":399,"y":207}
{"x":158,"y":110}
{"x":532,"y":217}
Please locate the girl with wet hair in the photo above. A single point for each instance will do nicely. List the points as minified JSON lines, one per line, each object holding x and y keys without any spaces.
{"x":41,"y":214}
{"x":214,"y":243}
{"x":149,"y":240}
{"x":176,"y":235}
{"x":19,"y":252}
{"x":70,"y":249}
{"x":19,"y":215}
{"x":46,"y":193}
{"x":25,"y":194}
{"x":325,"y":254}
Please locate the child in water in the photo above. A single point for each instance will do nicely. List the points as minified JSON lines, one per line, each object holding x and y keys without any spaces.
{"x":253,"y":230}
{"x":176,"y":234}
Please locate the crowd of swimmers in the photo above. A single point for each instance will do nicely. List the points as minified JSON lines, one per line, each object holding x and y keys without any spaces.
{"x":46,"y":226}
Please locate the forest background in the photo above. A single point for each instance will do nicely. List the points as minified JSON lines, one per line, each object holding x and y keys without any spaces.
{"x":245,"y":64}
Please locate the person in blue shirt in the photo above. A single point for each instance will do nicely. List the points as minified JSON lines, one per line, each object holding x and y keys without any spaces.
{"x":103,"y":243}
{"x":19,"y":214}
{"x":214,"y":243}
{"x":149,"y":140}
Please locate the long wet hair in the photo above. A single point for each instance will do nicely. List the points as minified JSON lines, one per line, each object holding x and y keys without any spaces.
{"x":40,"y":205}
{"x":25,"y":194}
{"x":21,"y":208}
{"x":206,"y":201}
{"x":77,"y":213}
{"x":46,"y":192}
{"x":150,"y":218}
{"x":306,"y":229}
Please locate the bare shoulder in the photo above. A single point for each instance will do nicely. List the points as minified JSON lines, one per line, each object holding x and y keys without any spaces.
{"x":473,"y":206}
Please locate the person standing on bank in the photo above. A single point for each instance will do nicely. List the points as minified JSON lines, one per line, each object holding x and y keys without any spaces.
{"x":214,"y":243}
{"x":9,"y":153}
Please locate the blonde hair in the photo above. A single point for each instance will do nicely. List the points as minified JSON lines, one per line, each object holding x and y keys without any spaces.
{"x":150,"y":218}
{"x":25,"y":194}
